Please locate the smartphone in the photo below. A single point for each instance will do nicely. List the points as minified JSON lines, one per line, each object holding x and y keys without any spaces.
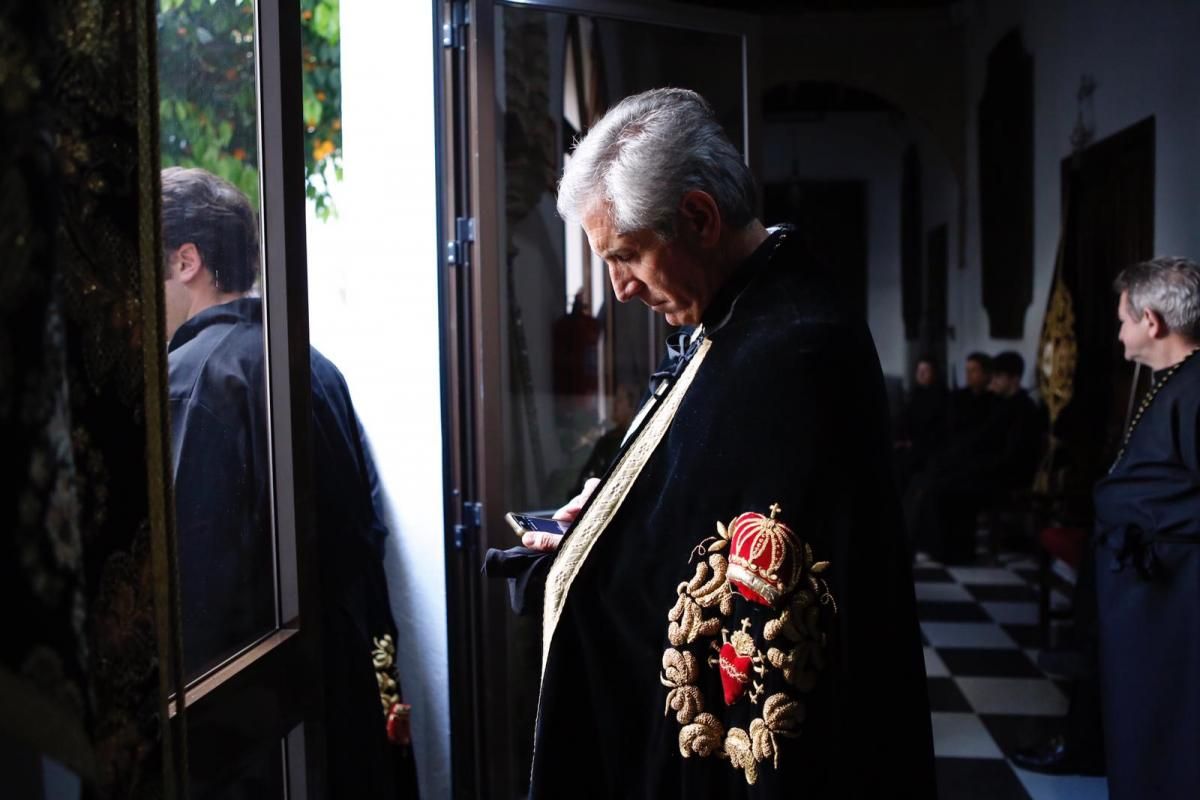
{"x":524,"y":522}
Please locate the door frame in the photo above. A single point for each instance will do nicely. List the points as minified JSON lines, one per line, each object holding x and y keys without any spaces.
{"x":473,"y":328}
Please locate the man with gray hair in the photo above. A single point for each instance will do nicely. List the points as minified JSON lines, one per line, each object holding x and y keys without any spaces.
{"x":731,"y":611}
{"x":1148,"y":546}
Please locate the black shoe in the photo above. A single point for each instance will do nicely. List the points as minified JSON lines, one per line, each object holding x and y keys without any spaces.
{"x":1054,"y":757}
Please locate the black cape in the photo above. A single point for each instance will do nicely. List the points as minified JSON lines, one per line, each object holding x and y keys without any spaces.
{"x":788,"y":407}
{"x":924,"y":420}
{"x":922,"y":425}
{"x":969,"y":412}
{"x":1005,"y":454}
{"x":1148,"y":596}
{"x":219,"y":443}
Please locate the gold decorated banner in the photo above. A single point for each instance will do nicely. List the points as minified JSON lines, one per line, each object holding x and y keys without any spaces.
{"x":1057,"y":358}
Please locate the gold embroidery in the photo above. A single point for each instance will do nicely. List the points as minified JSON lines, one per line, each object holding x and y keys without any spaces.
{"x":762,"y":743}
{"x":796,"y":653}
{"x":686,"y":702}
{"x":576,"y":547}
{"x":384,"y":658}
{"x":781,"y":717}
{"x":679,"y":668}
{"x":1058,"y":357}
{"x":792,"y":663}
{"x":799,"y":624}
{"x":680,"y":673}
{"x":1059,"y":351}
{"x":688,"y":622}
{"x":782,"y":714}
{"x":709,"y":586}
{"x":740,"y":753}
{"x":701,"y":737}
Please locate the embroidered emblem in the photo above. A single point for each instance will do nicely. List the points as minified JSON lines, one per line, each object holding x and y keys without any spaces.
{"x":769,"y":566}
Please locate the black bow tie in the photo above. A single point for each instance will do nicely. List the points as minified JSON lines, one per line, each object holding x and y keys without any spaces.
{"x":680,"y":349}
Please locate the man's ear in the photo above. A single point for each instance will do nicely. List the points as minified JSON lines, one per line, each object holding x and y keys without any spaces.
{"x":191,"y":265}
{"x":700,"y":217}
{"x":1156,"y":326}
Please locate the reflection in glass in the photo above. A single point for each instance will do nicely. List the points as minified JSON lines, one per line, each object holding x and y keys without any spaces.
{"x":208,"y":108}
{"x":259,"y":776}
{"x":577,"y":361}
{"x":217,"y":389}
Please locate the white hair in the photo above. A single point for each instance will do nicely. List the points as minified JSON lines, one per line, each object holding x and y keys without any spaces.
{"x":1169,"y":286}
{"x":645,"y":153}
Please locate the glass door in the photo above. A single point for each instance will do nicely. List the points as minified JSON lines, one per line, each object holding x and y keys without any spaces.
{"x":245,"y":701}
{"x":549,"y":368}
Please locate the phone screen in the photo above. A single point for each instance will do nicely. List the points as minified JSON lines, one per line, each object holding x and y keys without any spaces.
{"x":529,"y":523}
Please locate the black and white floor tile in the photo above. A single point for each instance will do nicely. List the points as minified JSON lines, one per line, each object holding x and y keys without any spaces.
{"x":986,"y":693}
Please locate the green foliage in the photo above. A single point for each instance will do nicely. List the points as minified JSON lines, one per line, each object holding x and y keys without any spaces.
{"x":208,"y":109}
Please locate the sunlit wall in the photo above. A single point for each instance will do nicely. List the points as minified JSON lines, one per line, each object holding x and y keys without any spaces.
{"x":374,"y":311}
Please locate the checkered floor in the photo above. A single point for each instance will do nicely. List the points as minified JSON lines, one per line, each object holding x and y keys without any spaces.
{"x":986,"y":693}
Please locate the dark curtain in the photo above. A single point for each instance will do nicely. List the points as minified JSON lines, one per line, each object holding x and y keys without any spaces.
{"x":79,"y":662}
{"x":1108,"y":194}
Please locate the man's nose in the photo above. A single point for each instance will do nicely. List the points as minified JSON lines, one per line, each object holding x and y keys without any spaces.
{"x":625,"y":286}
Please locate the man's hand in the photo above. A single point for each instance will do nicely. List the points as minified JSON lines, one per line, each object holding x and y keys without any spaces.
{"x":540,"y":540}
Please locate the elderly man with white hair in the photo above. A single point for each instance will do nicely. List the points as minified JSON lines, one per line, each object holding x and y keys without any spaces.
{"x":731,"y":612}
{"x":1148,"y":546}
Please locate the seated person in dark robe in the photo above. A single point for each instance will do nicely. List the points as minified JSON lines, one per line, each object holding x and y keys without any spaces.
{"x":731,"y":612}
{"x":1012,"y":442}
{"x":978,"y":469}
{"x":922,"y":424}
{"x":970,"y":406}
{"x":222,"y":479}
{"x":1148,"y":546}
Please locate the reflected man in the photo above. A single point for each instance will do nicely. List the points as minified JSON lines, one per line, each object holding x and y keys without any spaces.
{"x":218,"y":403}
{"x":1148,"y":546}
{"x":217,"y":396}
{"x":731,"y":613}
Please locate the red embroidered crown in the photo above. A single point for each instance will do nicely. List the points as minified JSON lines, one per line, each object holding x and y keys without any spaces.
{"x":766,"y":560}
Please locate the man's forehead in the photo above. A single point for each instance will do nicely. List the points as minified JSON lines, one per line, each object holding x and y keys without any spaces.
{"x":606,"y":239}
{"x":598,"y":225}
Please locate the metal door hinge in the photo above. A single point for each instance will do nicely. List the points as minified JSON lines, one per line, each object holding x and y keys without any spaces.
{"x":454,"y":31}
{"x":458,"y":253}
{"x":472,"y":523}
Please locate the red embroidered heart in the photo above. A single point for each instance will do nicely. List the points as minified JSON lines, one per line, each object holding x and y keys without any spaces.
{"x":735,"y":673}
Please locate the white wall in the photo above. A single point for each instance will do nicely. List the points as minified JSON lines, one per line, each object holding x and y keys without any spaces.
{"x":373,"y":300}
{"x":870,"y":146}
{"x":1144,"y":58}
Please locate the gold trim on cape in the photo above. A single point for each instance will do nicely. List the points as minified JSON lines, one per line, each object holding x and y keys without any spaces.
{"x":576,"y":547}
